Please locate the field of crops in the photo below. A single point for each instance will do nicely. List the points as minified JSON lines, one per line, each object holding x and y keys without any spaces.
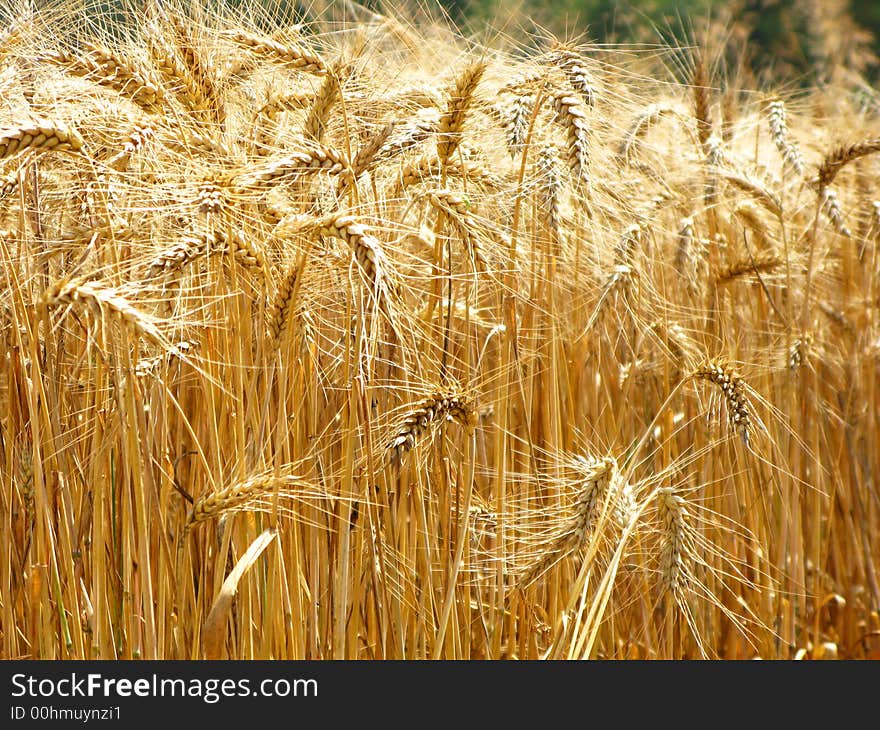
{"x":364,"y":340}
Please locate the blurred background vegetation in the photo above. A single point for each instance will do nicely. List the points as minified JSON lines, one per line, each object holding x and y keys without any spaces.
{"x":796,"y":43}
{"x":801,"y":42}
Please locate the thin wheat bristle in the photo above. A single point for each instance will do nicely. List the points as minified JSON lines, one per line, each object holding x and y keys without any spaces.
{"x":178,"y":351}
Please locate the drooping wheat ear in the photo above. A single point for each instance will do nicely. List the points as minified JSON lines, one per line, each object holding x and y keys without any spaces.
{"x":628,"y":245}
{"x":759,"y":264}
{"x":838,"y":318}
{"x":8,"y":184}
{"x":309,"y":158}
{"x":245,"y":494}
{"x":702,"y":114}
{"x":644,"y":214}
{"x":366,"y":248}
{"x":200,"y":74}
{"x":410,"y":134}
{"x":571,"y":115}
{"x":681,"y":346}
{"x":426,"y":417}
{"x":178,"y":79}
{"x":831,"y":207}
{"x":281,"y":314}
{"x":42,"y":136}
{"x":136,"y":141}
{"x":787,"y":147}
{"x":685,"y":261}
{"x":674,"y":541}
{"x":328,"y":94}
{"x":842,"y":155}
{"x":458,"y":211}
{"x":368,"y":154}
{"x":575,"y":69}
{"x":799,"y":350}
{"x":206,"y":243}
{"x":101,"y":300}
{"x":644,"y":120}
{"x":755,"y":189}
{"x":276,"y":103}
{"x":733,"y":389}
{"x":100,"y":204}
{"x":105,"y":68}
{"x":271,"y":50}
{"x":179,"y":350}
{"x":458,"y":103}
{"x":428,"y":168}
{"x":747,"y":213}
{"x":187,"y":142}
{"x":515,"y":120}
{"x":619,"y":281}
{"x":595,"y":479}
{"x":11,"y":35}
{"x":549,"y":187}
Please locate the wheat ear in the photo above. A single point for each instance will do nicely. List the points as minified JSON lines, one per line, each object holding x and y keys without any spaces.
{"x":571,"y":115}
{"x":273,"y":51}
{"x":733,"y":389}
{"x":842,"y":155}
{"x":673,"y":515}
{"x":427,"y":416}
{"x":791,"y":155}
{"x":458,"y":103}
{"x":40,"y":136}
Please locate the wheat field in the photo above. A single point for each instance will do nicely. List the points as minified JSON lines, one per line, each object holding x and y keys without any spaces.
{"x":361,"y":339}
